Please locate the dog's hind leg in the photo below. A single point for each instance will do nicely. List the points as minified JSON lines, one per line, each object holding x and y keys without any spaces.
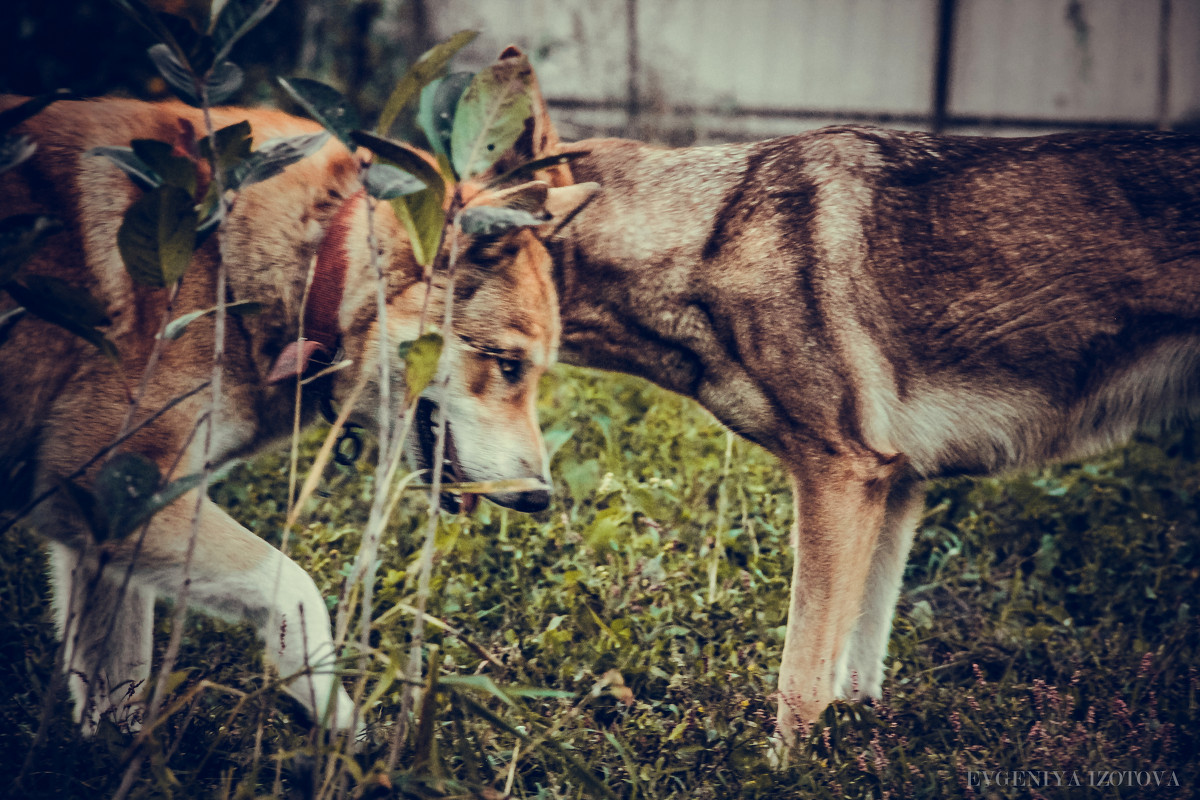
{"x":862,"y":674}
{"x":107,"y":636}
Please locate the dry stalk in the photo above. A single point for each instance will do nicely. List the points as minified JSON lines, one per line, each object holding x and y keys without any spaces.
{"x":213,"y":413}
{"x":412,"y":671}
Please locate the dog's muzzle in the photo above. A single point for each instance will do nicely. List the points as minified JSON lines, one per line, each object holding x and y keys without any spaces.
{"x":526,"y":502}
{"x":425,"y":424}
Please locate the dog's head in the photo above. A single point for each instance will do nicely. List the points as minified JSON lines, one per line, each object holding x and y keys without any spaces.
{"x":502,"y":337}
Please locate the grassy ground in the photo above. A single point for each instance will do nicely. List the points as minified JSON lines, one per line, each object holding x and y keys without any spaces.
{"x":1048,"y":622}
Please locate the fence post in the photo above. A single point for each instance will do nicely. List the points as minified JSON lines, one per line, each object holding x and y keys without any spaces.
{"x":1164,"y":65}
{"x":941,"y":67}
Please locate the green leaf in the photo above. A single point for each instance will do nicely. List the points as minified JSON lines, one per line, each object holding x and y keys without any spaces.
{"x":424,"y":219}
{"x":435,"y":112}
{"x":234,"y":20}
{"x":20,"y":237}
{"x":11,"y":315}
{"x":177,"y":326}
{"x":274,"y":156}
{"x":12,"y":117}
{"x":224,"y":79}
{"x":421,"y":212}
{"x":160,"y":157}
{"x":494,"y":220}
{"x":15,"y":150}
{"x":220,"y":82}
{"x":232,"y":150}
{"x":158,"y":501}
{"x":7,"y":319}
{"x":232,"y":145}
{"x":176,"y":678}
{"x":127,"y":493}
{"x":402,"y":154}
{"x":71,"y":308}
{"x":555,"y":438}
{"x":421,"y":363}
{"x":538,"y":692}
{"x":491,"y":115}
{"x":582,"y":478}
{"x":387,"y":182}
{"x":138,"y":171}
{"x":486,"y":713}
{"x":324,"y":104}
{"x":480,"y":683}
{"x":630,"y":764}
{"x":121,"y":487}
{"x":73,"y":301}
{"x":157,"y":236}
{"x":175,"y":72}
{"x":429,"y":66}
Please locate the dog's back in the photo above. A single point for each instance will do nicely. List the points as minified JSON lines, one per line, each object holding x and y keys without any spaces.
{"x":1026,"y":299}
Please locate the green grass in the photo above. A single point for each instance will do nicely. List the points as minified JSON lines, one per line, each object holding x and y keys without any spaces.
{"x":1048,"y":622}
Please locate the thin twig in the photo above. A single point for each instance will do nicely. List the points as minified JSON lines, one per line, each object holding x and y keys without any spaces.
{"x":294,"y":455}
{"x":390,"y":448}
{"x":181,"y":607}
{"x":512,"y":768}
{"x":85,"y":466}
{"x":152,"y":362}
{"x":412,"y":670}
{"x":718,"y":548}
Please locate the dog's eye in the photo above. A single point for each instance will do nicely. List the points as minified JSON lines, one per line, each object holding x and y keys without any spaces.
{"x":512,"y":369}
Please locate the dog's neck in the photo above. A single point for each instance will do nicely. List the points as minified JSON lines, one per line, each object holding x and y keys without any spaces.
{"x":644,"y":286}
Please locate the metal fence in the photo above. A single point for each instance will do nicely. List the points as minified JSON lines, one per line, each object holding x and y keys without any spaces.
{"x":686,"y":71}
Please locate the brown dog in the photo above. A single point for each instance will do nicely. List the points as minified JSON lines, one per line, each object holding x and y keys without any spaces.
{"x":61,"y":401}
{"x":880,"y":308}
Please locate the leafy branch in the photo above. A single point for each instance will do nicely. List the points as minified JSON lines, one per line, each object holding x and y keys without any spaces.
{"x":470,"y":121}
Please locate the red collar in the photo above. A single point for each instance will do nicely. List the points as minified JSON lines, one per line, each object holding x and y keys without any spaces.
{"x":322,"y":329}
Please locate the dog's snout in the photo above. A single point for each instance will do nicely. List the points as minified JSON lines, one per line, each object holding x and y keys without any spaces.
{"x":536,"y":500}
{"x":527,"y":502}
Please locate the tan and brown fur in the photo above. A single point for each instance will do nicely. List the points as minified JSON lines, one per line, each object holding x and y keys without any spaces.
{"x":61,"y":401}
{"x":880,"y":308}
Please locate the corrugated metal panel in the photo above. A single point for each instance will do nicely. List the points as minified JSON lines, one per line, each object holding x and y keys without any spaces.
{"x":783,"y":54}
{"x":1056,"y":59}
{"x":712,"y":69}
{"x":1184,"y":38}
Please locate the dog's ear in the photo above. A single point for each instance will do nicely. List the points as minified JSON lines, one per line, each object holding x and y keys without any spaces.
{"x":529,"y":197}
{"x":563,"y":202}
{"x":539,"y":139}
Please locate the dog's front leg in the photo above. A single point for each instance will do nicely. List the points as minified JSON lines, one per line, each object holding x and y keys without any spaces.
{"x":107,"y":638}
{"x":239,"y":577}
{"x":841,"y":503}
{"x":863,"y":677}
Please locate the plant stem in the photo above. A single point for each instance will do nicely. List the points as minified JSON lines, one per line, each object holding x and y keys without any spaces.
{"x":99,"y":454}
{"x":214,"y":408}
{"x":412,"y":671}
{"x":718,"y":549}
{"x":151,"y":362}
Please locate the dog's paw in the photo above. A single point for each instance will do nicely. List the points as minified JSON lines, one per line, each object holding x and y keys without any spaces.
{"x":778,"y":751}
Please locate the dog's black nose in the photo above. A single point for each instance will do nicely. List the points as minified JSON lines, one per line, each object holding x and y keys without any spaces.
{"x":525,"y":502}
